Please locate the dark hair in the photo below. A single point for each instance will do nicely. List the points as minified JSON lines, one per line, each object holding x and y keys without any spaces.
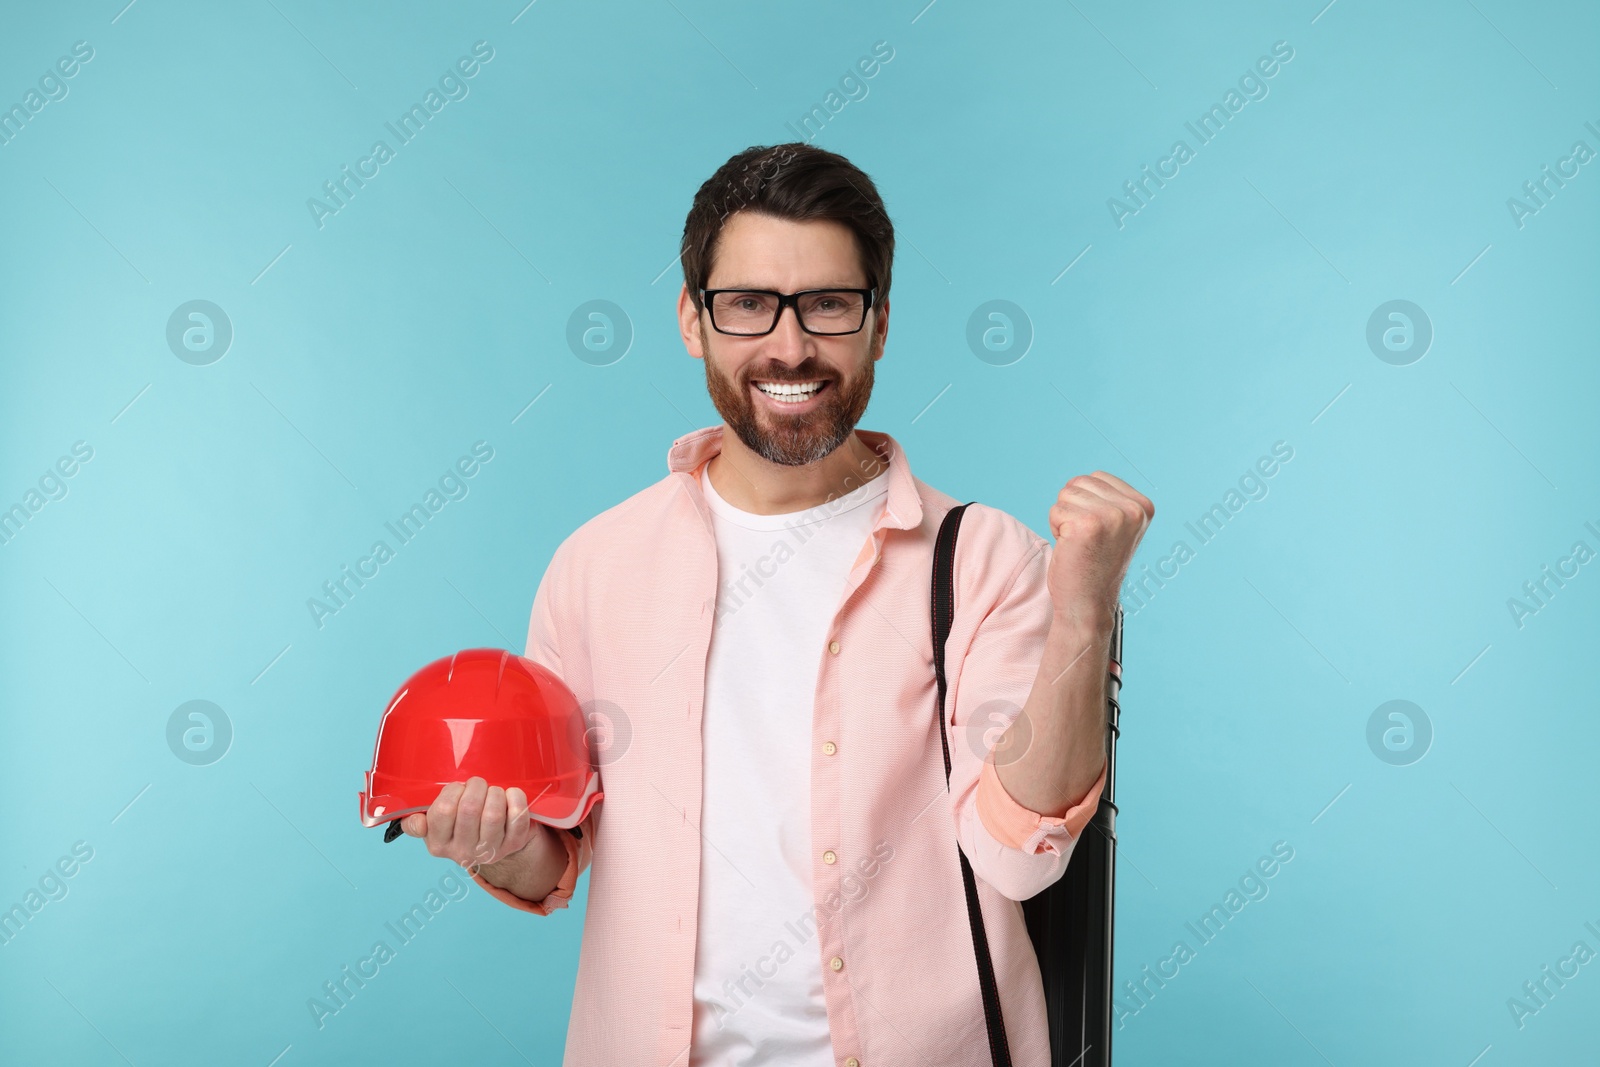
{"x":795,"y":181}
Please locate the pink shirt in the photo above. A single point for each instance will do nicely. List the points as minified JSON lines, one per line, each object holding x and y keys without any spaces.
{"x":624,"y":615}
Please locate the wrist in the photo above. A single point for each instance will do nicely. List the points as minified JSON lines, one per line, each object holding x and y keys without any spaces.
{"x":1085,"y":622}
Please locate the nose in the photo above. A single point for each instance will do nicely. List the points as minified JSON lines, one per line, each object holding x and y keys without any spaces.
{"x":787,"y":341}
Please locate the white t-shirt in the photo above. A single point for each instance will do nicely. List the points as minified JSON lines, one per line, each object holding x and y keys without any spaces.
{"x":758,"y":971}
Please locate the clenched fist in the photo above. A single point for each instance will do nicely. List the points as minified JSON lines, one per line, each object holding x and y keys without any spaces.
{"x":1098,"y":520}
{"x":474,"y":824}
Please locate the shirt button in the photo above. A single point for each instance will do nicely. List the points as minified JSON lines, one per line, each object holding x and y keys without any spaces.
{"x":829,"y":856}
{"x":829,"y":748}
{"x":836,"y":963}
{"x":833,"y":646}
{"x":852,"y":1062}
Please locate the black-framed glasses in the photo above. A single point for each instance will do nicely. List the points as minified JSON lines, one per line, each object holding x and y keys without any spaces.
{"x":754,"y":312}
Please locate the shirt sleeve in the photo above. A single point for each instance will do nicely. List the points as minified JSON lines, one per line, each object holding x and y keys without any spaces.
{"x":578,"y":852}
{"x":1015,"y":826}
{"x":543,"y":649}
{"x":997,"y":639}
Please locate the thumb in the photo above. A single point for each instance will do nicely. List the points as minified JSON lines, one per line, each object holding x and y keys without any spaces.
{"x":415,"y":824}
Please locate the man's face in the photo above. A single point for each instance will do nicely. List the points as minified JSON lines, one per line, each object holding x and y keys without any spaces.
{"x":760,"y":252}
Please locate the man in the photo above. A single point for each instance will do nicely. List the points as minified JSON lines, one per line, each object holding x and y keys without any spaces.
{"x":775,"y":876}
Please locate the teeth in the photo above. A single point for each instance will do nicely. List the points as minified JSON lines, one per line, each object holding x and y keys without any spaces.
{"x":789,"y":391}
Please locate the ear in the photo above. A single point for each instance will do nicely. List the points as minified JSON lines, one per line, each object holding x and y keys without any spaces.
{"x":880,"y":329}
{"x":689,"y":323}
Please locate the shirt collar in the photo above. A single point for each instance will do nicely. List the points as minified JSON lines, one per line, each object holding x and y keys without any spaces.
{"x":902,"y":511}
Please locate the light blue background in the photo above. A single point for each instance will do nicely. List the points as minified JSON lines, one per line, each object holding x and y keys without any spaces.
{"x":1228,"y":314}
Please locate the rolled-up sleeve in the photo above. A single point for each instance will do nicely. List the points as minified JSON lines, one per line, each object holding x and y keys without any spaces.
{"x":997,"y":639}
{"x":578,"y":851}
{"x":544,"y":627}
{"x":1018,"y":827}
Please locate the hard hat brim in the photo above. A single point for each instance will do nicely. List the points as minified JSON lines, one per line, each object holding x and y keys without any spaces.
{"x":400,"y":799}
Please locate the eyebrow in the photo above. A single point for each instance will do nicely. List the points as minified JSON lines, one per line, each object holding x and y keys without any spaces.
{"x":770,"y":289}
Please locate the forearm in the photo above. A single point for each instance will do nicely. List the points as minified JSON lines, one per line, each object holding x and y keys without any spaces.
{"x":533,"y":870}
{"x":1055,"y":749}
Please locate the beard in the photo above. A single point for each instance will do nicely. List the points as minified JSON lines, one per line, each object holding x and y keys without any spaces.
{"x":791,"y":440}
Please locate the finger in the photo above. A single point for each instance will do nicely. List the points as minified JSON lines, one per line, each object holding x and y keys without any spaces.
{"x":469,"y":817}
{"x":442,"y":818}
{"x":1127,"y":491}
{"x":519,"y":829}
{"x":415,"y":824}
{"x":1101,"y":497}
{"x":1078,"y":502}
{"x":492,"y":832}
{"x":1090,"y":493}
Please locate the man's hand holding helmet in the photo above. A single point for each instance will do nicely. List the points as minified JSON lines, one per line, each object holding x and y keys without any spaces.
{"x":486,"y":829}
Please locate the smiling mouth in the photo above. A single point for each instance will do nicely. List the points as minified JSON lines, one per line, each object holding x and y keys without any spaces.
{"x":791,"y":392}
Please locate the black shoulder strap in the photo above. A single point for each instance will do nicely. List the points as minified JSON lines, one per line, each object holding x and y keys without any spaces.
{"x":944,"y":551}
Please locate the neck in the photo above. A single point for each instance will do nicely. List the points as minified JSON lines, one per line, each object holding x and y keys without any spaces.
{"x":752,"y":483}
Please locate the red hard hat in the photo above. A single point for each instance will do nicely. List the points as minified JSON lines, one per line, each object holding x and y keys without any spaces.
{"x":484,"y":712}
